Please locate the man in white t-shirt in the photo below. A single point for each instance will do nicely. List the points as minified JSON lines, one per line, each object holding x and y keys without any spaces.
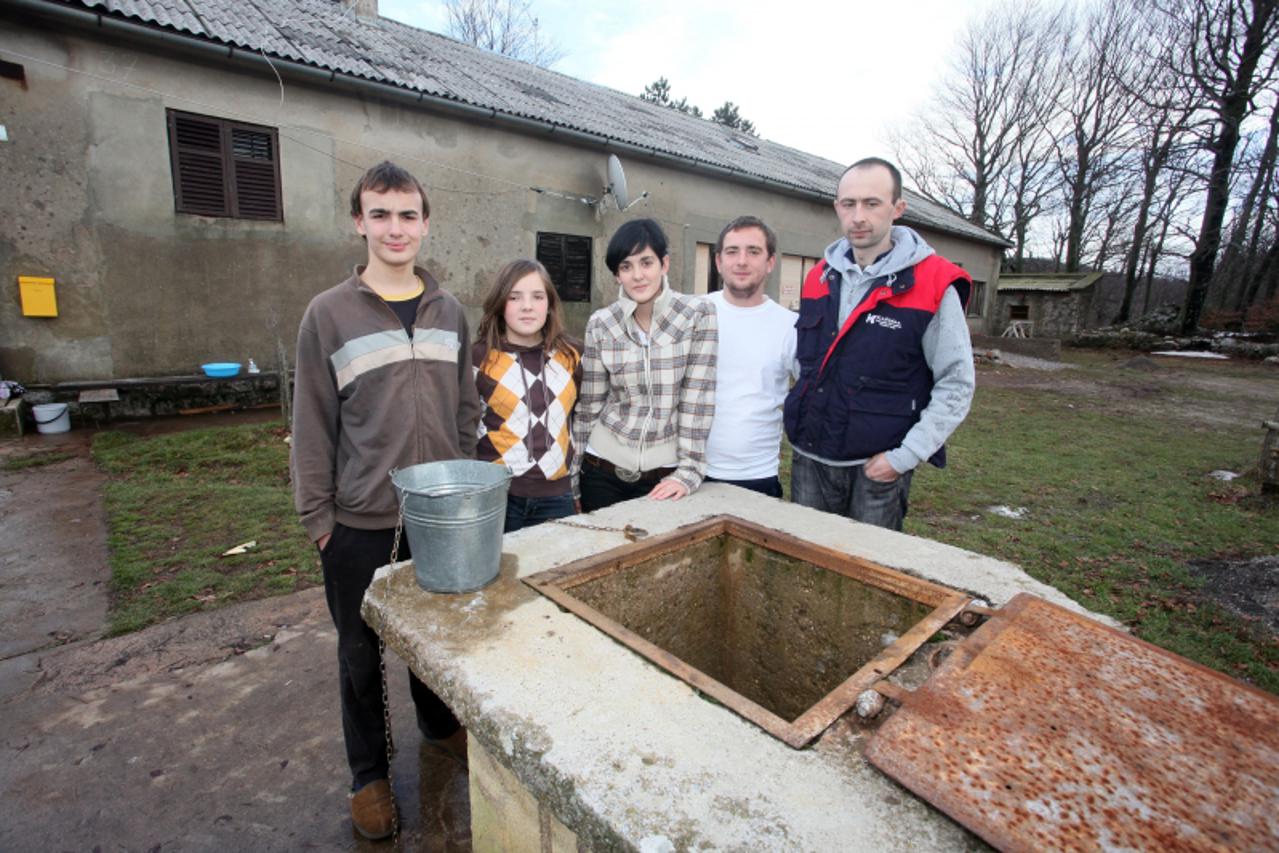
{"x":756,"y":361}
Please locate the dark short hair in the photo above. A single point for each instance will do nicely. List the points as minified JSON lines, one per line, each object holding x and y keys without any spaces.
{"x":631,"y":239}
{"x":388,"y":176}
{"x":876,"y":161}
{"x":741,"y":223}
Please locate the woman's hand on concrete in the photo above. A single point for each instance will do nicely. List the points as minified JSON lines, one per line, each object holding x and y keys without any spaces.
{"x":668,"y":489}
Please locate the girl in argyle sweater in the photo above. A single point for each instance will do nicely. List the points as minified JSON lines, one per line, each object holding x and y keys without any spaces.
{"x":527,"y":372}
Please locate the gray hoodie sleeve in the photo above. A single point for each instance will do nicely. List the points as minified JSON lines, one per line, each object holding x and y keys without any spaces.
{"x":949,"y":353}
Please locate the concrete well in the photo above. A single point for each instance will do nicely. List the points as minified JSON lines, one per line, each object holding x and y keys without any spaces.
{"x":580,"y":741}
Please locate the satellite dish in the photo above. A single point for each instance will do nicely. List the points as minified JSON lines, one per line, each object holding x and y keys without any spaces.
{"x":617,"y":182}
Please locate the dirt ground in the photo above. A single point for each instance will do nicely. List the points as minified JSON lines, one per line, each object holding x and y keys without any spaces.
{"x":1247,"y":588}
{"x":218,"y":731}
{"x":1205,"y":393}
{"x":221,"y":730}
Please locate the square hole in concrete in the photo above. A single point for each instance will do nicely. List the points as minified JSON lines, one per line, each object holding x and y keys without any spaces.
{"x":784,"y":632}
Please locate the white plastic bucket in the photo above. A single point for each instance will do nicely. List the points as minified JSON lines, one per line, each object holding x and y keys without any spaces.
{"x":52,"y":417}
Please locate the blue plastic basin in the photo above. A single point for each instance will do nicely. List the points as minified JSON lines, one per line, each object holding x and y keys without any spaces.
{"x":221,"y":368}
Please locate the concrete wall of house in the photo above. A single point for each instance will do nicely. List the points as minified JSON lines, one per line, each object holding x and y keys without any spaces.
{"x":982,"y":261}
{"x":143,"y":290}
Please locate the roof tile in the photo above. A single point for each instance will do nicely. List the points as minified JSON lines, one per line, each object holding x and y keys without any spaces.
{"x":325,"y":34}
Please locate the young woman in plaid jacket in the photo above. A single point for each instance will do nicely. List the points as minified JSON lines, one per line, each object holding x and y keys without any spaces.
{"x":648,"y":381}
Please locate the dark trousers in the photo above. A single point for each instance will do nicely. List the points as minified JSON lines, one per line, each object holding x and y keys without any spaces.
{"x":771,"y":486}
{"x":349,"y":559}
{"x":847,"y":491}
{"x":601,"y":488}
{"x":529,"y":512}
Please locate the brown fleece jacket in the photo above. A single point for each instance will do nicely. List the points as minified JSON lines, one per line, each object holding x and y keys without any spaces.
{"x":368,"y":398}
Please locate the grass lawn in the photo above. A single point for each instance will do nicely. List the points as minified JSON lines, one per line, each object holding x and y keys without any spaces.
{"x":1112,"y":466}
{"x":1110,"y":463}
{"x":176,"y":502}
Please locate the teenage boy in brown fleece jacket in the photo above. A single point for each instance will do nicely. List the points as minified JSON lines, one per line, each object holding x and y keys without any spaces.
{"x":383,"y":381}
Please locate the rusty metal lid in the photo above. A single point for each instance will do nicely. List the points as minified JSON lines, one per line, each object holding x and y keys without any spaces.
{"x":1048,"y":730}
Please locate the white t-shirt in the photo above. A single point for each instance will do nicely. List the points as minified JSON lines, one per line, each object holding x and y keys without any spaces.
{"x":753,"y":372}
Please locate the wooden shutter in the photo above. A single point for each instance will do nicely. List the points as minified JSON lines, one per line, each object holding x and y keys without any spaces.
{"x":567,"y":257}
{"x":256,"y":173}
{"x":199,"y":176}
{"x":223,"y":168}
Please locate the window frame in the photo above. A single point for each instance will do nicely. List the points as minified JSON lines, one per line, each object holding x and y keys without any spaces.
{"x":217,"y":180}
{"x":976,"y":299}
{"x":559,"y":268}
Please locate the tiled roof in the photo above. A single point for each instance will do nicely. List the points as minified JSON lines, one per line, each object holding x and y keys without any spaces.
{"x":1058,"y":282}
{"x":323,"y":34}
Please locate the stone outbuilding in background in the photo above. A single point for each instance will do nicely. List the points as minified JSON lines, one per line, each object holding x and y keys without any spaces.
{"x":1043,"y":305}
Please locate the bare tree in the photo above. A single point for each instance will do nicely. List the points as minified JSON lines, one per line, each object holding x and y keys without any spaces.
{"x":1268,"y":268}
{"x":1060,"y":230}
{"x":1169,"y":233}
{"x":508,"y":27}
{"x":1232,"y":56}
{"x":1112,"y":230}
{"x":1032,"y":184}
{"x":1163,"y":114}
{"x":1254,"y":215}
{"x":1095,"y":104}
{"x":987,"y":118}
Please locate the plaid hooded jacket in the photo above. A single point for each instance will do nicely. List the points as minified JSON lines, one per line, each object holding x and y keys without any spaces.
{"x":645,"y":406}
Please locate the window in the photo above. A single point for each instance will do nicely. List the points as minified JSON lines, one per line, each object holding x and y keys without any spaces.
{"x":1018,"y":312}
{"x":795,"y":268}
{"x":567,"y":258}
{"x":977,"y":299}
{"x":224,"y":168}
{"x":705,"y":276}
{"x":13,"y":71}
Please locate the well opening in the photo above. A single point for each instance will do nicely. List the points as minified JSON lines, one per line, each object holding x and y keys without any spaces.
{"x":784,"y":632}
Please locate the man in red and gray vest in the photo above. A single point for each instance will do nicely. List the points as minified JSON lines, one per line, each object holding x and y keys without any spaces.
{"x":886,"y":364}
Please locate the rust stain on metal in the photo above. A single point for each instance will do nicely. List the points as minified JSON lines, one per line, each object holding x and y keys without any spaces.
{"x":888,"y":690}
{"x":832,"y":707}
{"x":557,"y":584}
{"x":1048,"y":730}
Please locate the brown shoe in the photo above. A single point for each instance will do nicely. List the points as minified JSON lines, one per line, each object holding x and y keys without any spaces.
{"x":453,"y":746}
{"x":373,"y":810}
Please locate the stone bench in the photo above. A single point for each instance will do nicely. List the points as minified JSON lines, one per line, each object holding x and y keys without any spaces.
{"x":12,"y":408}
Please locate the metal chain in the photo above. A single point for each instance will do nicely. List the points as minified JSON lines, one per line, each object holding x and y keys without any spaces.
{"x":386,"y":697}
{"x":630,"y":531}
{"x":390,"y":742}
{"x":395,"y":546}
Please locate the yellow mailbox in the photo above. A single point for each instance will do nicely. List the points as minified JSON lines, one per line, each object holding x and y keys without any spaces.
{"x":38,"y":296}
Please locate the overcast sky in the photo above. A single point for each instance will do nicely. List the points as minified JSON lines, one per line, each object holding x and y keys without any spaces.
{"x":826,"y":77}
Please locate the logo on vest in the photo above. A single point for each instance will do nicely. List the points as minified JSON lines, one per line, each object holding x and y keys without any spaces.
{"x":881,"y":320}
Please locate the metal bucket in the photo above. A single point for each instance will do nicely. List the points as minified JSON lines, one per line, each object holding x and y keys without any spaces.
{"x":453,"y":514}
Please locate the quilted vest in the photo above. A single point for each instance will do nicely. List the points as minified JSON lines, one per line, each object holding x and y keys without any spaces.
{"x":862,"y":386}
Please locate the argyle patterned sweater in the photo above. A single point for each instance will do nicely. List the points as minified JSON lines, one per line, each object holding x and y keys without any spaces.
{"x":528,"y":399}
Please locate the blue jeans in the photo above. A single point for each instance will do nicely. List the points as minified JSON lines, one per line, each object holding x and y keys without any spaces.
{"x":771,"y":486}
{"x":527,"y":512}
{"x":847,"y":491}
